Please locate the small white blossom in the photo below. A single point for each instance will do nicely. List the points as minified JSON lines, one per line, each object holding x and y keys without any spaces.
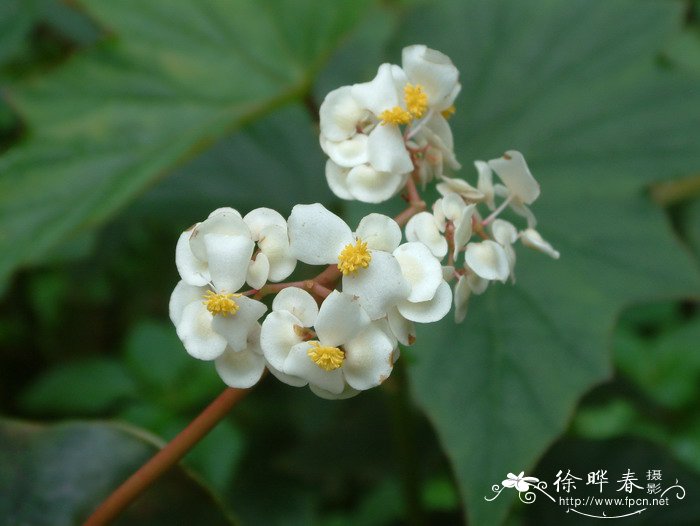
{"x":429,"y":298}
{"x":211,"y":325}
{"x":343,"y":354}
{"x":505,"y":234}
{"x":531,"y":238}
{"x":488,"y":260}
{"x":370,"y":271}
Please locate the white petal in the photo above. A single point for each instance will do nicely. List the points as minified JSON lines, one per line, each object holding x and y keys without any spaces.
{"x":403,"y":329}
{"x":379,"y":286}
{"x":278,"y":336}
{"x":236,"y":328}
{"x":336,"y":177}
{"x":229,"y":257}
{"x":434,"y":71}
{"x":458,"y":186}
{"x":339,"y":114}
{"x":423,"y":228}
{"x":420,"y":268}
{"x":380,"y":93}
{"x":504,"y":233}
{"x":339,"y":319}
{"x":368,"y":359}
{"x":260,"y":218}
{"x":477,"y":284}
{"x":316,"y":235}
{"x":182,"y":296}
{"x":226,"y":221}
{"x":513,"y":171}
{"x":348,"y":392}
{"x":348,"y":153}
{"x":380,"y":232}
{"x":240,"y":369}
{"x":371,"y":186}
{"x":298,"y":302}
{"x":192,"y":269}
{"x":299,"y":364}
{"x":431,"y":310}
{"x":531,"y":238}
{"x":488,"y":260}
{"x":463,"y":229}
{"x":440,"y":133}
{"x":288,"y":379}
{"x":461,"y":299}
{"x":274,"y":243}
{"x":485,"y":184}
{"x":387,"y":151}
{"x":197,"y":334}
{"x":522,"y":210}
{"x":258,"y":271}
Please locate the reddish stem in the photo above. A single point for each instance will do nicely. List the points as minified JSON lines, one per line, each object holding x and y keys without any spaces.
{"x":165,"y":458}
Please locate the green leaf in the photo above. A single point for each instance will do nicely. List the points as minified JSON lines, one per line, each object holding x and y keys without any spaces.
{"x":668,"y":370}
{"x":177,"y":75}
{"x":89,"y":387}
{"x":56,"y":475}
{"x":16,"y":20}
{"x":574,"y":86}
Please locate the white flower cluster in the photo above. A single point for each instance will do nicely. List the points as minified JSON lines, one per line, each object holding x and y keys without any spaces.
{"x":370,"y":155}
{"x":339,"y":332}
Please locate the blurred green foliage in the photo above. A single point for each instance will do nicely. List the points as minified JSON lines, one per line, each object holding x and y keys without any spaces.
{"x":103,"y":99}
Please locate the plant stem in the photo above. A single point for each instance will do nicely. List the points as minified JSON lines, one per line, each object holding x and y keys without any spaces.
{"x":165,"y":458}
{"x":404,"y":430}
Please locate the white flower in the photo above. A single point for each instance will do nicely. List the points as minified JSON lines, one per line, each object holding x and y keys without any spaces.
{"x":213,"y":325}
{"x":242,"y":369}
{"x":520,"y":188}
{"x":423,"y":227}
{"x":434,"y":72}
{"x":219,"y":250}
{"x":382,"y":96}
{"x":531,"y":238}
{"x":519,"y":482}
{"x":269,"y":230}
{"x":452,"y":209}
{"x":344,"y":353}
{"x":216,"y":251}
{"x":505,"y":234}
{"x":429,"y":298}
{"x":488,"y":260}
{"x":370,"y":271}
{"x":363,"y":182}
{"x":466,"y":285}
{"x":513,"y":171}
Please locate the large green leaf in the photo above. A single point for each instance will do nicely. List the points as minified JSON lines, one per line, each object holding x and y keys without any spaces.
{"x":177,"y":75}
{"x":56,"y":475}
{"x":573,"y":85}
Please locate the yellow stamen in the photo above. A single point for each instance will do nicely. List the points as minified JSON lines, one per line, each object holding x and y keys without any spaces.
{"x":395,"y":115}
{"x":416,"y":100}
{"x":448,"y":112}
{"x":354,"y":257}
{"x":222,"y":303}
{"x":327,"y":358}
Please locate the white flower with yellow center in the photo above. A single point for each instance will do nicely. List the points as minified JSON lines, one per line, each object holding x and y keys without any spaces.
{"x":384,"y":97}
{"x":213,"y":325}
{"x":336,"y":349}
{"x":370,"y":272}
{"x":434,"y":73}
